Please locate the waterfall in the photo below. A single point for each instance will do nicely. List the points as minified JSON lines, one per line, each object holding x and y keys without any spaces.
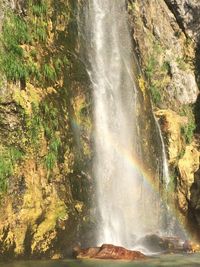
{"x":128,"y":205}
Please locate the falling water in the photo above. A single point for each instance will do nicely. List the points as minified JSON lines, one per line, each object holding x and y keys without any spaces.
{"x":165,"y":169}
{"x":127,"y":204}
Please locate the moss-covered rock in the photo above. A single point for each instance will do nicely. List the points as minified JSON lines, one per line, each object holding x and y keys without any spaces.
{"x":45,"y":131}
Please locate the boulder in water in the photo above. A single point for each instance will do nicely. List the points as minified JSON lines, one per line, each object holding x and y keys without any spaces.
{"x":109,"y":252}
{"x":172,"y":244}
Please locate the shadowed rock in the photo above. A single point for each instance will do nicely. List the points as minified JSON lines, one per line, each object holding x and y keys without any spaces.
{"x":109,"y":252}
{"x":166,"y":244}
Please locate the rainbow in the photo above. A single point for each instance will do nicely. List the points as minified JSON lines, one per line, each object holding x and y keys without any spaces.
{"x":137,"y":164}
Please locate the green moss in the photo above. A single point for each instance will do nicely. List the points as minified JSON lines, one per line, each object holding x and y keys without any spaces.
{"x":50,"y":125}
{"x":49,"y":73}
{"x":39,"y":9}
{"x":131,"y":7}
{"x":182,"y":64}
{"x":53,"y":152}
{"x":19,"y":61}
{"x":157,"y":73}
{"x":155,"y":94}
{"x":15,"y":62}
{"x":188,"y":131}
{"x":8,"y":158}
{"x":150,"y":67}
{"x":15,"y":33}
{"x":26,"y":56}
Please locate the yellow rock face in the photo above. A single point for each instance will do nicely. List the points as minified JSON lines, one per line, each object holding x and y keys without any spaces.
{"x":184,"y":158}
{"x":171,"y":124}
{"x":33,"y":207}
{"x":187,"y":166}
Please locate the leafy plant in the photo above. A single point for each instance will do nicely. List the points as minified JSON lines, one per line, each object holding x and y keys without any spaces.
{"x":40,"y":32}
{"x":13,"y":67}
{"x":150,"y":68}
{"x":15,"y":33}
{"x":50,"y":160}
{"x":52,"y":156}
{"x":188,"y":131}
{"x":155,"y":94}
{"x":40,"y":9}
{"x":49,"y":73}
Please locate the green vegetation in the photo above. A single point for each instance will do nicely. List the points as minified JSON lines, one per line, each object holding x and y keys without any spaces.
{"x":44,"y":119}
{"x":39,"y":9}
{"x":172,"y":183}
{"x":188,"y":131}
{"x":8,"y":158}
{"x":155,"y":94}
{"x":17,"y":62}
{"x":14,"y":35}
{"x":49,"y":73}
{"x":50,"y":125}
{"x":20,"y":63}
{"x":182,"y":64}
{"x":131,"y":7}
{"x":27,"y":58}
{"x":157,"y":75}
{"x":33,"y":125}
{"x":52,"y":157}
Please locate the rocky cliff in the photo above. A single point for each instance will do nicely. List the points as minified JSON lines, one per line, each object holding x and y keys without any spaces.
{"x":45,"y":129}
{"x":166,"y":35}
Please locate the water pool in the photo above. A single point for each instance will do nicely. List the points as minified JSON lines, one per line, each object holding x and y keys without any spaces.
{"x":166,"y":260}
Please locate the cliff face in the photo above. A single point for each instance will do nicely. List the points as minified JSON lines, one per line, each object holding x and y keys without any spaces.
{"x":166,"y":35}
{"x":45,"y":129}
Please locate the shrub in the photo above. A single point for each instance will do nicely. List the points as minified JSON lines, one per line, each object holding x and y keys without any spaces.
{"x":188,"y":131}
{"x":49,"y":73}
{"x":40,"y":9}
{"x":155,"y":94}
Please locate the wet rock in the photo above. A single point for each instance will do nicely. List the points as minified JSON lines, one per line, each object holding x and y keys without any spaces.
{"x":171,"y":244}
{"x":171,"y":124}
{"x":156,"y":243}
{"x":109,"y":252}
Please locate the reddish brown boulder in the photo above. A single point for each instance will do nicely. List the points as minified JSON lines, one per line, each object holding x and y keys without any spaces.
{"x":109,"y":252}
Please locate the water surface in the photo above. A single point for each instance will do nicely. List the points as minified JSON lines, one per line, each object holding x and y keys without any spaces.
{"x":169,"y":260}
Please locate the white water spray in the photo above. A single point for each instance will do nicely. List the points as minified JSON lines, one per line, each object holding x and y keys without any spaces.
{"x":120,"y":187}
{"x":128,"y":206}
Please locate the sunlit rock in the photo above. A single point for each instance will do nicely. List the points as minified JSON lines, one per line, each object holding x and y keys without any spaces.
{"x":108,"y":252}
{"x":183,"y":86}
{"x":171,"y":124}
{"x":187,"y":13}
{"x":187,"y":166}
